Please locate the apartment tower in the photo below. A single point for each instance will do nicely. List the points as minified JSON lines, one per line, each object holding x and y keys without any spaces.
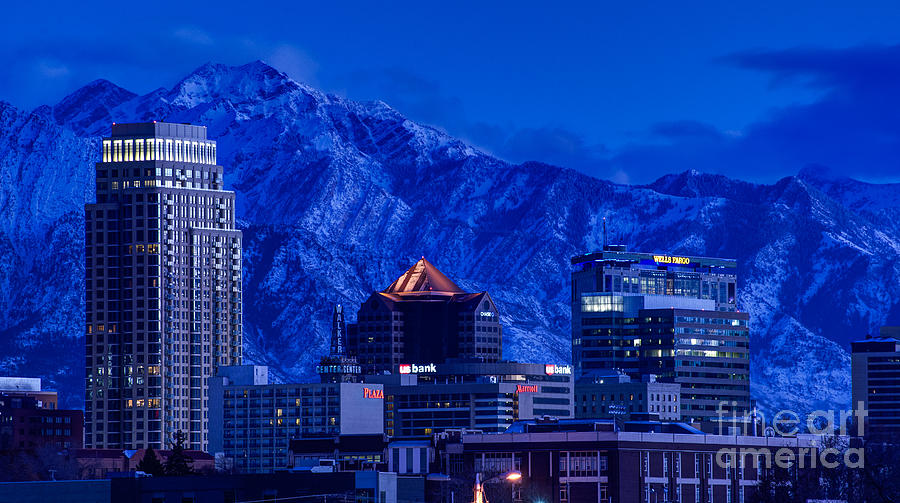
{"x":162,"y":286}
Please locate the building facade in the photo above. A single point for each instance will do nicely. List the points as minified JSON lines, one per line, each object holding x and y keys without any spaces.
{"x":29,"y":387}
{"x":644,"y":462}
{"x":26,"y":425}
{"x":163,"y":286}
{"x":671,"y":316}
{"x":252,"y":421}
{"x":618,"y":395}
{"x":424,"y":400}
{"x":875,"y":378}
{"x":424,"y":317}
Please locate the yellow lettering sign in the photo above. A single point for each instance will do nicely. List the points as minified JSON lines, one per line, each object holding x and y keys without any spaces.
{"x":667,"y":259}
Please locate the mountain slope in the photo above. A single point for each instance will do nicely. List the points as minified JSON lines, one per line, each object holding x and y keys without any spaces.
{"x":337,"y":198}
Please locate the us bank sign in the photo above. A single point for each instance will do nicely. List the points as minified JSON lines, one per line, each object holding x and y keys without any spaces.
{"x":551,"y":369}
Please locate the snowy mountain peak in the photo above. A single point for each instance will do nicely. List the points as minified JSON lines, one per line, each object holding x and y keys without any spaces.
{"x":90,"y":104}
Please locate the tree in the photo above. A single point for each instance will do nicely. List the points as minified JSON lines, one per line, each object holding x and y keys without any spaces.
{"x":150,"y":464}
{"x":178,"y":464}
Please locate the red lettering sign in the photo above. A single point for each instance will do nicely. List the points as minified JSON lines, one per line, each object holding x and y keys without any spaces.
{"x":373,"y":393}
{"x":526,"y":388}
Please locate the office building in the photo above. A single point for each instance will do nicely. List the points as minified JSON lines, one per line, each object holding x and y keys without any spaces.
{"x":163,"y":286}
{"x":424,"y":317}
{"x":252,"y":421}
{"x":422,"y":400}
{"x":615,"y":394}
{"x":875,"y":380}
{"x":671,"y":316}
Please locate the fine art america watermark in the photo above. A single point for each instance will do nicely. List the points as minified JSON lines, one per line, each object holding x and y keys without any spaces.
{"x":829,"y":450}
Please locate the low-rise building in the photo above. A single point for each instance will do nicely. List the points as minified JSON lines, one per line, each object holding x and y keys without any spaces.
{"x":615,"y":394}
{"x":253,"y":421}
{"x":594,"y":460}
{"x":103,"y":463}
{"x":424,"y":399}
{"x":29,"y":387}
{"x":29,"y":418}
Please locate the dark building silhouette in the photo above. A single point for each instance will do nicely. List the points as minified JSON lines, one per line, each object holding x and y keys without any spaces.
{"x":338,"y":366}
{"x":424,"y":318}
{"x":875,"y":375}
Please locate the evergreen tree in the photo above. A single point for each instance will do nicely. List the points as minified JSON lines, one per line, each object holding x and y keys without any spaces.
{"x":178,"y":464}
{"x":150,"y":464}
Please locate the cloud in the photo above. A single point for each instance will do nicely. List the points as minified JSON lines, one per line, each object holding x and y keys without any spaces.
{"x":851,"y":128}
{"x":295,"y":62}
{"x":193,"y":35}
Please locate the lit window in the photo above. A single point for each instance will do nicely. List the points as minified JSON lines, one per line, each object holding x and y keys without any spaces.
{"x":600,"y":303}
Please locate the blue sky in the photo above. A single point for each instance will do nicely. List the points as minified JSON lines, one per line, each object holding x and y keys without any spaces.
{"x":621,"y":90}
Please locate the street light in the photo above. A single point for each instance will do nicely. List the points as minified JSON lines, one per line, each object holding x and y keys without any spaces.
{"x":511,"y":476}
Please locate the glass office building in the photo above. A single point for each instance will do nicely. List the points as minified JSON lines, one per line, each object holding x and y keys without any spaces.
{"x":674,"y":317}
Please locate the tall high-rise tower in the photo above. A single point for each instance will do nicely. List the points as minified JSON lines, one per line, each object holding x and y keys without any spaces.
{"x":163,"y":286}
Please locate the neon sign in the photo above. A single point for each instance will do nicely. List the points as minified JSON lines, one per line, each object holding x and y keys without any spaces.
{"x":412,"y":368}
{"x":373,"y":393}
{"x":338,"y":369}
{"x":668,"y":259}
{"x":551,"y":369}
{"x":526,"y":388}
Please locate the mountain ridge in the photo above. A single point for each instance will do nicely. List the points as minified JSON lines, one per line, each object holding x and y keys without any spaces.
{"x":336,"y":198}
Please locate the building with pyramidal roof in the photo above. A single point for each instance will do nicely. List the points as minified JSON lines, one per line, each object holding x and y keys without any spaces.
{"x":424,"y":318}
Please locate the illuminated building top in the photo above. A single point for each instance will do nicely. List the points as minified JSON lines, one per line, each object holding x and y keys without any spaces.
{"x":617,"y":255}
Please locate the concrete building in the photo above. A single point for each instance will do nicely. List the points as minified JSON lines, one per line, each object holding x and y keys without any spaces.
{"x":427,"y":399}
{"x":424,"y":317}
{"x":252,"y":421}
{"x":615,"y":394}
{"x":163,"y":286}
{"x":672,"y":316}
{"x":875,"y":378}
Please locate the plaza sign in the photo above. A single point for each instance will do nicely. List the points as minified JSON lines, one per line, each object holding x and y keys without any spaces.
{"x":373,"y":393}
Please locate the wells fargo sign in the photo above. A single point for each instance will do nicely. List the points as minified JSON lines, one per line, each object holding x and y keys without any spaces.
{"x":668,"y":259}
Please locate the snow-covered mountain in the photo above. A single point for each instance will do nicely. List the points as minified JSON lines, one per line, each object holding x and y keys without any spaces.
{"x":336,"y":198}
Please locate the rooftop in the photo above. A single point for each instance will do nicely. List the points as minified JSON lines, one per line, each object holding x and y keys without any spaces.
{"x":423,"y":277}
{"x":618,"y":253}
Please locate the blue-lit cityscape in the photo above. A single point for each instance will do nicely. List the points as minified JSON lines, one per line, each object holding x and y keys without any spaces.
{"x":242,"y":288}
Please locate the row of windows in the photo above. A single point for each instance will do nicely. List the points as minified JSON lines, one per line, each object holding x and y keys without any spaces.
{"x":159,"y":149}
